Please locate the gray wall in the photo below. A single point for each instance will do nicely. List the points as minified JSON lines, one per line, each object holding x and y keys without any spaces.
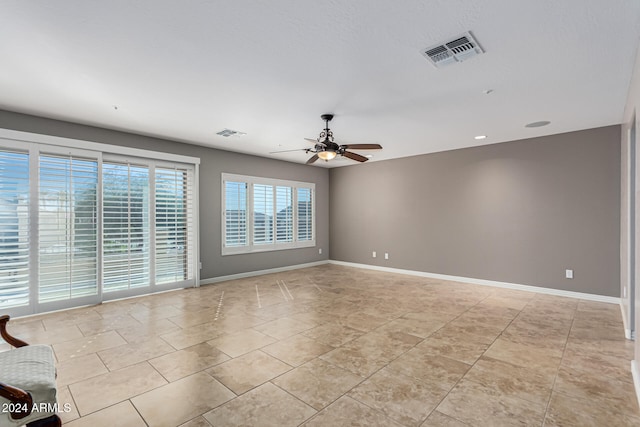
{"x":213,"y":163}
{"x":519,"y":212}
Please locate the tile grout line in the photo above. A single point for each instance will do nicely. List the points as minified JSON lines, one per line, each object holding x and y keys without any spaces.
{"x":555,"y":378}
{"x":343,"y":299}
{"x":138,"y":412}
{"x":476,"y":361}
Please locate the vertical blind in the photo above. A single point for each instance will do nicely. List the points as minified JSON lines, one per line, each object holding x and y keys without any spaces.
{"x":14,"y":229}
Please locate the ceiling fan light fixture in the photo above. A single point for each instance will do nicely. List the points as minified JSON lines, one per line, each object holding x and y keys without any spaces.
{"x":325,"y":148}
{"x":327,"y":155}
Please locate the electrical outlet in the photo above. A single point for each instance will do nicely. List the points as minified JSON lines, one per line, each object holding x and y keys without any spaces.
{"x":568,"y":274}
{"x":386,"y":255}
{"x":373,"y":255}
{"x":320,"y":251}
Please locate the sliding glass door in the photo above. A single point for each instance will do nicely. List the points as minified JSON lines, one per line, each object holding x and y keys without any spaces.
{"x":174,"y":225}
{"x":79,"y":227}
{"x":67,"y":228}
{"x":14,"y":229}
{"x":126,"y":225}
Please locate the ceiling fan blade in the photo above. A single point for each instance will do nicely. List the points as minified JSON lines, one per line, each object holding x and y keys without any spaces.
{"x":288,"y":151}
{"x":354,"y":156}
{"x":312,"y":159}
{"x":363,"y":146}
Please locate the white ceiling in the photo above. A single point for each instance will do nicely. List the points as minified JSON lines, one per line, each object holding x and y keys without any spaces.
{"x":185,"y":70}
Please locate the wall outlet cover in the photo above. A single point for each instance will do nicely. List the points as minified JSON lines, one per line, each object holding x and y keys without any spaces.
{"x":568,"y":274}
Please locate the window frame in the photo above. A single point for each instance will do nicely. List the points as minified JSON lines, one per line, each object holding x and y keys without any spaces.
{"x":250,"y":246}
{"x":36,"y":145}
{"x":108,"y":230}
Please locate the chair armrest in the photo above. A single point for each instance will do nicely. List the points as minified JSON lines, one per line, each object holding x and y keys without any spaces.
{"x":23,"y":403}
{"x":4,"y":319}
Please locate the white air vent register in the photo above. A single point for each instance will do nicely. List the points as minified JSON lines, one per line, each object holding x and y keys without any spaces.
{"x":458,"y":49}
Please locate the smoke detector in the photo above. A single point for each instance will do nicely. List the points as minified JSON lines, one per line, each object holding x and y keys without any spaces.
{"x":457,"y":49}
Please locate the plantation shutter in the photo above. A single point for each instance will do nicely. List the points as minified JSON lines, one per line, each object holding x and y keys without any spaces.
{"x":67,"y":228}
{"x":305,"y":214}
{"x":235,"y":213}
{"x":262,"y":214}
{"x":126,"y":228}
{"x":14,"y":229}
{"x":284,"y":216}
{"x":174,"y":225}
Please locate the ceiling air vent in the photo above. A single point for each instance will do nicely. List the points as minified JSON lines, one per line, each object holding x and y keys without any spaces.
{"x":229,"y":132}
{"x":458,"y":49}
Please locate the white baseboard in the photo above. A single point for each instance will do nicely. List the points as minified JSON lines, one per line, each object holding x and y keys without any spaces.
{"x":627,"y":330}
{"x":527,"y":288}
{"x":260,"y":272}
{"x":635,"y":373}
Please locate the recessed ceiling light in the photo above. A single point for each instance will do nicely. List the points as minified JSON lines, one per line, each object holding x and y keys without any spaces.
{"x":480,"y":137}
{"x":537,"y":124}
{"x":368,"y":156}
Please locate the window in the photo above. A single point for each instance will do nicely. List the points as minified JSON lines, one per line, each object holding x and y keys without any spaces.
{"x":126,"y":226}
{"x":68,"y":228}
{"x":235,"y":214}
{"x":305,"y":214}
{"x":284,"y":216}
{"x":80,"y":226}
{"x":14,"y":229}
{"x":261,"y":214}
{"x":174,"y":225}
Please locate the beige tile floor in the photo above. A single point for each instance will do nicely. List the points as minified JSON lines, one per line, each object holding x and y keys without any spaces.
{"x":331,"y":346}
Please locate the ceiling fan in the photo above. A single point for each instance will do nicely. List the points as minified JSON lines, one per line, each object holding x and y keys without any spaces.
{"x":325,"y":148}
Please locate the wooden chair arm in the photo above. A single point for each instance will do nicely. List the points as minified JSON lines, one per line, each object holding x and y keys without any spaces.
{"x":23,"y":403}
{"x":4,"y":319}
